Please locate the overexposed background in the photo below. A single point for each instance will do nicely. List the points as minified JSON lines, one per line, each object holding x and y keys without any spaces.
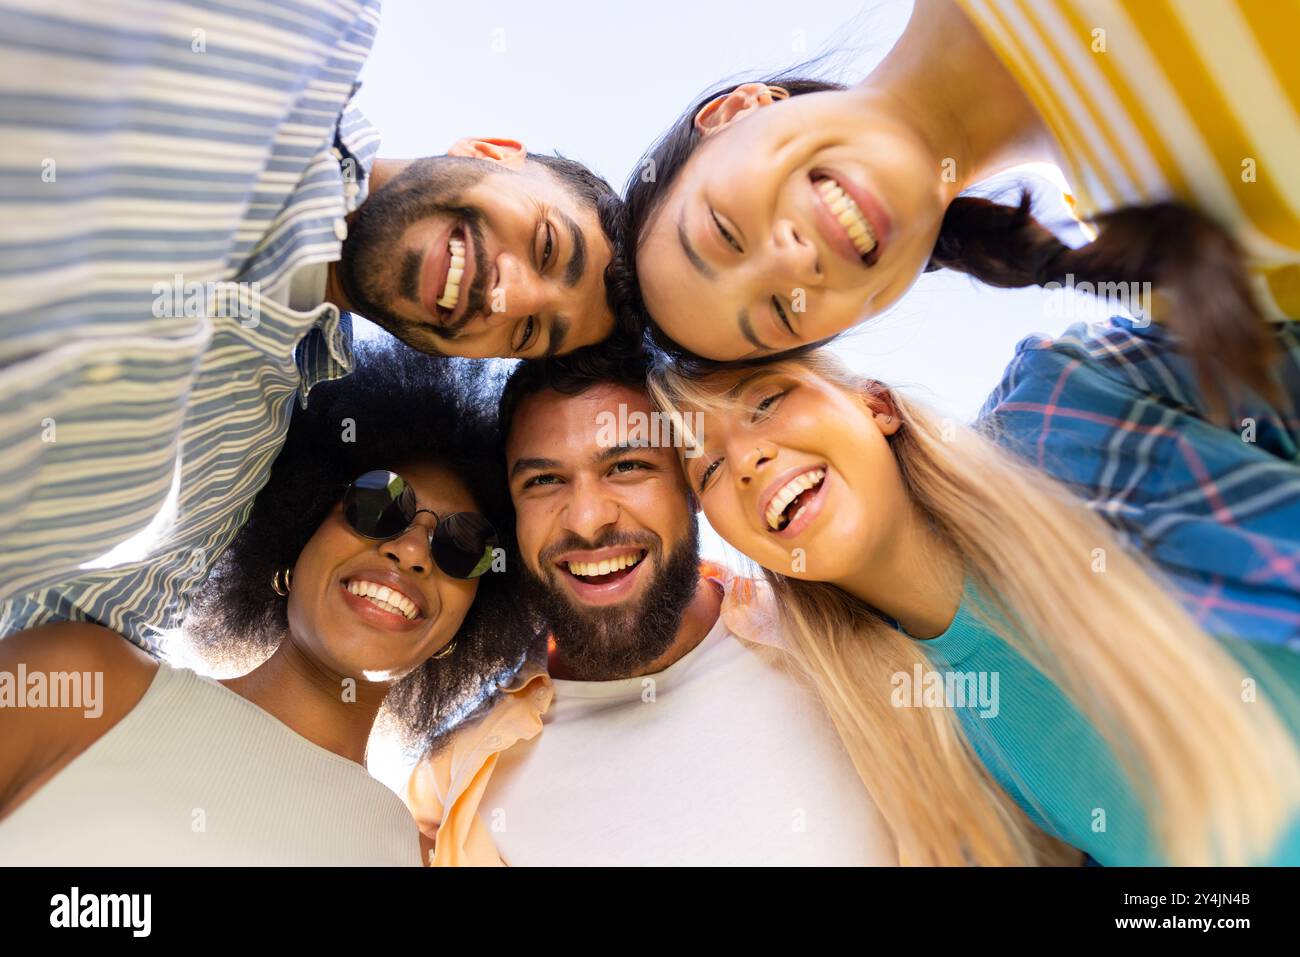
{"x":599,"y":82}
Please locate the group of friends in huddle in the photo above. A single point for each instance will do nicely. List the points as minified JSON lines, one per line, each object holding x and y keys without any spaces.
{"x":1067,"y":632}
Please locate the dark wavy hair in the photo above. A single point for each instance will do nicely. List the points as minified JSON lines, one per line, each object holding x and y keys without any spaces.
{"x":398,"y":406}
{"x":613,"y":362}
{"x":1176,"y":248}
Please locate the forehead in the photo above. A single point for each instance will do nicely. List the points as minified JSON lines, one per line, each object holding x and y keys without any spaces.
{"x":568,"y":428}
{"x":535,"y":181}
{"x":437,"y":487}
{"x":697,"y":312}
{"x":587,"y":310}
{"x":726,"y":399}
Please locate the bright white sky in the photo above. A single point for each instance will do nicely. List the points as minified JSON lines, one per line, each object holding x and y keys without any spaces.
{"x":599,"y":82}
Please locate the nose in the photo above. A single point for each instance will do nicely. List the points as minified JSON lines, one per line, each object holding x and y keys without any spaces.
{"x":588,"y":511}
{"x":519,"y":291}
{"x":410,"y":550}
{"x":751,"y":457}
{"x":794,"y":255}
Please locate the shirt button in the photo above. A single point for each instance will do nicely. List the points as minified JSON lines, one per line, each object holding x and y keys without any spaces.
{"x":341,"y":229}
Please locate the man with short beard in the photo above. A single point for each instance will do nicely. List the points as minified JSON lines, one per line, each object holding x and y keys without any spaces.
{"x":651,"y":734}
{"x":187,"y":233}
{"x":487,"y":251}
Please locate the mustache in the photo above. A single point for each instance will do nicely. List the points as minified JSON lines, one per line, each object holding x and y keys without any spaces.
{"x":474,"y":306}
{"x":576,"y":543}
{"x":408,"y":281}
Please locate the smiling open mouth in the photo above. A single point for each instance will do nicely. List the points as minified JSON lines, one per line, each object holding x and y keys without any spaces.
{"x":384,"y":598}
{"x":793,"y":498}
{"x":606,"y":570}
{"x":449,"y":297}
{"x":848,"y":215}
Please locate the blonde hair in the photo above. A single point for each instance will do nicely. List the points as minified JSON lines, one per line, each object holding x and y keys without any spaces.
{"x":1219,"y":778}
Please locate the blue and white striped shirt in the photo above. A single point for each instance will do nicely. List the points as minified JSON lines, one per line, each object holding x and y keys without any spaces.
{"x":150,"y":149}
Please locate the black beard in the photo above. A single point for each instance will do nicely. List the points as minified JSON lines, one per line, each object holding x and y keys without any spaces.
{"x":602,"y":644}
{"x":374,"y":276}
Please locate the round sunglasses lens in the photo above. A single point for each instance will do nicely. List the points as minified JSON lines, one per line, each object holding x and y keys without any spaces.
{"x":463,"y":543}
{"x":379,"y":504}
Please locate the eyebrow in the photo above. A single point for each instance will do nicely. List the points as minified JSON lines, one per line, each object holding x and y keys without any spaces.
{"x":534,"y":465}
{"x":747,"y":330}
{"x":604,"y":455}
{"x":703,"y":268}
{"x":742,"y":318}
{"x":737,"y":387}
{"x":614,"y":451}
{"x":578,"y":258}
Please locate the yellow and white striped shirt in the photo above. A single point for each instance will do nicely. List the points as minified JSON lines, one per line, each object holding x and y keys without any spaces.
{"x":1196,"y":100}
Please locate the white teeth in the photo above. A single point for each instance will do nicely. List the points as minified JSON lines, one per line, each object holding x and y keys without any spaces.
{"x":451,"y":294}
{"x":388,"y":599}
{"x":848,"y":215}
{"x":604,"y":566}
{"x":789,"y":492}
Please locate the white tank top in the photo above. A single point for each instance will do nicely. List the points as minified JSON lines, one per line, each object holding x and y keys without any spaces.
{"x":195,"y":774}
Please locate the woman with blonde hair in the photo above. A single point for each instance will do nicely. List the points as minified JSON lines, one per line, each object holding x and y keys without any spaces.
{"x":1010,"y":680}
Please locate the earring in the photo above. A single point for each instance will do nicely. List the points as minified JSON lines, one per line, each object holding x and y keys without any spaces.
{"x":451,"y":646}
{"x":282,"y":581}
{"x":778,"y":92}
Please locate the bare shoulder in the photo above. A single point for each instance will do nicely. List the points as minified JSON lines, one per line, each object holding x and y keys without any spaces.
{"x":69,"y":646}
{"x":62,"y":686}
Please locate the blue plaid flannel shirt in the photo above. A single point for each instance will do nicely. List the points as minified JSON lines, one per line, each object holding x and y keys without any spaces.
{"x":1113,"y":411}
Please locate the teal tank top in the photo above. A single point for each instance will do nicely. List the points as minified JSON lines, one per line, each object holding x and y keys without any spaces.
{"x":1048,"y":757}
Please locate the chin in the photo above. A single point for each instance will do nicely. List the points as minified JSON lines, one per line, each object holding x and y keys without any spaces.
{"x":384,"y":673}
{"x":363,"y":668}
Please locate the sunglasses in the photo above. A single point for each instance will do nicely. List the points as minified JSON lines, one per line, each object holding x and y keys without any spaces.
{"x":381,"y":505}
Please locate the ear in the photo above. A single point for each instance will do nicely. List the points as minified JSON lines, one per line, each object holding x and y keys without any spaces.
{"x":382,"y":170}
{"x":719,"y":112}
{"x":880,"y":403}
{"x":509,"y":153}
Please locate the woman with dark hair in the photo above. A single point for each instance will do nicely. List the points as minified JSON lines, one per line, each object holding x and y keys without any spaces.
{"x":374,"y":571}
{"x":777,"y":214}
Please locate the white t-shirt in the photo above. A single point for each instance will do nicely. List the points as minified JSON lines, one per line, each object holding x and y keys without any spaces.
{"x":723,"y":758}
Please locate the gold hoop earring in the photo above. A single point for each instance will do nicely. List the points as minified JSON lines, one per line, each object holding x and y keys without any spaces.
{"x":451,"y":646}
{"x":282,"y":581}
{"x":778,"y":92}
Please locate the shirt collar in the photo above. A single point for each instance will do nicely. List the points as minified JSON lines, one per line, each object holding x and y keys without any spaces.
{"x":325,"y":352}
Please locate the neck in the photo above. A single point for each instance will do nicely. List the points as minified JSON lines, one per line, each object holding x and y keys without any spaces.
{"x":312,"y":701}
{"x":943,"y":80}
{"x":334,"y":289}
{"x":697,"y":621}
{"x":918,"y":582}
